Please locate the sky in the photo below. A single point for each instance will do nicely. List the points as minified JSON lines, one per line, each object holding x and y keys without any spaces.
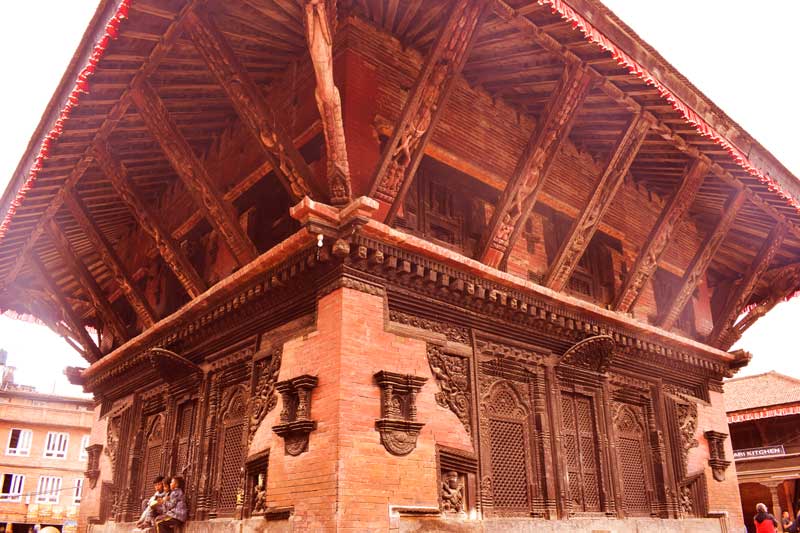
{"x":740,"y":53}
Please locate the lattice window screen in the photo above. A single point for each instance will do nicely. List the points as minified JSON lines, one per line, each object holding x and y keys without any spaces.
{"x":631,"y":446}
{"x":232,"y":456}
{"x":152,"y":456}
{"x":509,"y":472}
{"x":580,"y":452}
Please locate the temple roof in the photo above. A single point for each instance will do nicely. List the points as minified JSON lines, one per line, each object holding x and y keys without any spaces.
{"x":761,"y":390}
{"x":518,"y":57}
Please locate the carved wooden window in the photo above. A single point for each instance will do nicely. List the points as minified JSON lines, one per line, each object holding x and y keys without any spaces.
{"x":153,"y":448}
{"x":231,"y":450}
{"x":508,"y":448}
{"x":579,"y":441}
{"x":183,"y":436}
{"x":633,"y":452}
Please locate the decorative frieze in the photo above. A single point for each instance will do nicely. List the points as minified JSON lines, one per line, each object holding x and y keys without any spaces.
{"x":398,"y":424}
{"x":296,"y":423}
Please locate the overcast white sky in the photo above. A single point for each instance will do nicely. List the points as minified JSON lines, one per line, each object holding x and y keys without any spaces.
{"x":742,"y":54}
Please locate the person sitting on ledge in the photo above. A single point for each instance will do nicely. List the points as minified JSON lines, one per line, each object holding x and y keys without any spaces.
{"x":175,"y":509}
{"x":151,"y":507}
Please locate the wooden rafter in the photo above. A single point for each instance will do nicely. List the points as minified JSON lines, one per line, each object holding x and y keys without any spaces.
{"x":110,"y":122}
{"x":90,"y":350}
{"x":403,"y":153}
{"x":110,"y":259}
{"x":102,"y":306}
{"x":149,"y":221}
{"x":251,"y":106}
{"x":533,"y":167}
{"x":660,"y":236}
{"x":319,"y":25}
{"x":697,"y":268}
{"x":585,"y":226}
{"x":220,"y":214}
{"x":745,"y":286}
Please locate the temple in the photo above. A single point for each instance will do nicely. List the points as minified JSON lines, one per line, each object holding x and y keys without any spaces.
{"x":382,"y":265}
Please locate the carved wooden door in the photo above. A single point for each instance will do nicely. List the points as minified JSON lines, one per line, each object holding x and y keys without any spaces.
{"x":632,"y":454}
{"x":153,"y":453}
{"x":183,"y":436}
{"x":579,"y":441}
{"x":231,"y":450}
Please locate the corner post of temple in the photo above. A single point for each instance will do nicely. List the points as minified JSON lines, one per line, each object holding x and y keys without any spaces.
{"x":533,"y":167}
{"x":424,"y":105}
{"x":585,"y":226}
{"x":670,"y":490}
{"x":696,"y":270}
{"x":320,"y":26}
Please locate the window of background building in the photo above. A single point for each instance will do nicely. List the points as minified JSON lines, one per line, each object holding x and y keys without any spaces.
{"x":56,"y":444}
{"x":19,"y":442}
{"x":49,"y":489}
{"x":12,"y":485}
{"x":84,"y":444}
{"x":76,"y":496}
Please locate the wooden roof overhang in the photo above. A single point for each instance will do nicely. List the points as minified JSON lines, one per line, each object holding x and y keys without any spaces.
{"x":56,"y":227}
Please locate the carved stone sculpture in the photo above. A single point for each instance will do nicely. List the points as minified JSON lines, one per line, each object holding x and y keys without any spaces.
{"x":716,"y":449}
{"x":452,"y":493}
{"x":398,"y":424}
{"x":93,"y":464}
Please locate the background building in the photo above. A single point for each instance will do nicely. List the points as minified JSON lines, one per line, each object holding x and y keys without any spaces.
{"x":764,"y":417}
{"x":43,"y":456}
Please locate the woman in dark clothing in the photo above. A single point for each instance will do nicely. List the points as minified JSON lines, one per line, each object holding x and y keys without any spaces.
{"x":765,"y":522}
{"x":175,"y":510}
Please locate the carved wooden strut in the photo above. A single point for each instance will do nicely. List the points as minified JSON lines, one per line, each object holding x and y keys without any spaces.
{"x":320,"y":20}
{"x":585,"y":226}
{"x":647,"y":260}
{"x":423,"y":107}
{"x":99,"y":299}
{"x":251,"y":106}
{"x":530,"y":174}
{"x":149,"y":221}
{"x":111,"y":260}
{"x":745,"y":286}
{"x":220,"y":214}
{"x":697,"y":269}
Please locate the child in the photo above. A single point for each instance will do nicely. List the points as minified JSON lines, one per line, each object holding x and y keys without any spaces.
{"x":175,"y":510}
{"x":153,"y":507}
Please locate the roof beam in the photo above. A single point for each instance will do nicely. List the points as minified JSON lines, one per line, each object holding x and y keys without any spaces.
{"x":319,"y":35}
{"x":90,"y":350}
{"x":697,"y":268}
{"x":251,"y":106}
{"x":660,"y":236}
{"x":532,"y":169}
{"x":423,"y":107}
{"x":90,"y":286}
{"x":744,"y":287}
{"x":149,"y":221}
{"x":585,"y":226}
{"x":220,"y":214}
{"x":111,"y":120}
{"x":110,"y":259}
